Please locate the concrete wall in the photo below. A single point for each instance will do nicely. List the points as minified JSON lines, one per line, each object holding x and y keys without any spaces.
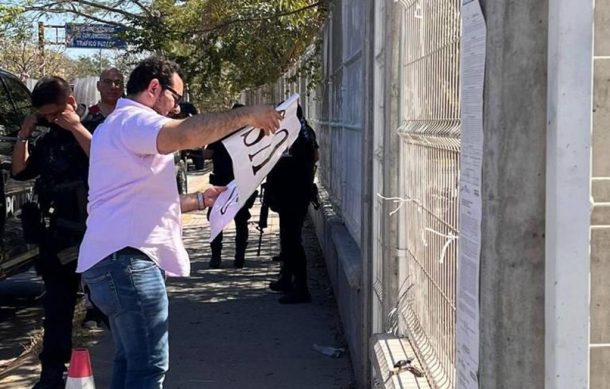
{"x":344,"y":265}
{"x":600,"y":221}
{"x":513,"y":193}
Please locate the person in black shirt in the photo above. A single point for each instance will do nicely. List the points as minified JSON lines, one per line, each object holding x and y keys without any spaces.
{"x":59,"y":161}
{"x":222,"y":175}
{"x":288,"y":191}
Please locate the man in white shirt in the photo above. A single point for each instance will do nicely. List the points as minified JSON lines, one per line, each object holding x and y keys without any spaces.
{"x":133,"y":236}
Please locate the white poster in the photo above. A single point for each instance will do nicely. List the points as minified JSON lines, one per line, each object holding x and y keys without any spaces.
{"x":472,"y":76}
{"x":224,"y":210}
{"x":254,"y":154}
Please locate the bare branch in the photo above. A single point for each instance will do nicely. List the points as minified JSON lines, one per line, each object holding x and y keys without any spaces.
{"x":143,"y":8}
{"x":74,"y":12}
{"x":59,"y":7}
{"x":92,"y":4}
{"x":258,"y":19}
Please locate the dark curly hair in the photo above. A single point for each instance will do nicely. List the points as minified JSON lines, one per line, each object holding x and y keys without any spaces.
{"x":149,"y":69}
{"x":50,"y":90}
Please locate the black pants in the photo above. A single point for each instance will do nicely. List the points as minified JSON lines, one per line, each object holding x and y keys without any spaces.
{"x":61,"y":287}
{"x":292,"y":253}
{"x":241,"y":231}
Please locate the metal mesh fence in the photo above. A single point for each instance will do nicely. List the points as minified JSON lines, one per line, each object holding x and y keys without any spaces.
{"x":429,"y":154}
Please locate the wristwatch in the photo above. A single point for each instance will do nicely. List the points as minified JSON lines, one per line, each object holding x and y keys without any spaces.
{"x":20,"y":138}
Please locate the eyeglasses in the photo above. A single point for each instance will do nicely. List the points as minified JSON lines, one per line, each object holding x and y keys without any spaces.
{"x":109,"y":82}
{"x":177,"y":96}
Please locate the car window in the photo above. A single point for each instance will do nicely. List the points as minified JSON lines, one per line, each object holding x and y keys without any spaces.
{"x":7,"y":111}
{"x":21,"y":98}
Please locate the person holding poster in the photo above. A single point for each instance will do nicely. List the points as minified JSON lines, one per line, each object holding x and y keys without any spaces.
{"x":111,"y":88}
{"x":133,"y":237}
{"x":289,"y":190}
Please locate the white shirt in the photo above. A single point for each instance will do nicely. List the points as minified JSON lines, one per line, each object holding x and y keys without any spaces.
{"x":133,"y":196}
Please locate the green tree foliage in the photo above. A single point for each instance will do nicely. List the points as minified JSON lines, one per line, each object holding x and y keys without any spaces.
{"x":224,"y":46}
{"x":91,"y":66}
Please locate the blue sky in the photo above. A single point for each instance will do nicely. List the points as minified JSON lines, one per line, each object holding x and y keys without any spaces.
{"x":50,"y":33}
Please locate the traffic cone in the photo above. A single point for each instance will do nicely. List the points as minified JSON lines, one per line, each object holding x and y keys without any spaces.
{"x":80,"y":374}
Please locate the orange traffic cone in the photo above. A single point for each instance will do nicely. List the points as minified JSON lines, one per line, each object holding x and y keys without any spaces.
{"x":80,"y":374}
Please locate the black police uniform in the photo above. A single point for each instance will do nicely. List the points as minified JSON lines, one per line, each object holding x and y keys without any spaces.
{"x":288,"y":191}
{"x":61,"y":167}
{"x":222,"y":175}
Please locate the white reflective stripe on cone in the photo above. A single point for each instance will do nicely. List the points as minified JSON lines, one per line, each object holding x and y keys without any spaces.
{"x":80,"y":383}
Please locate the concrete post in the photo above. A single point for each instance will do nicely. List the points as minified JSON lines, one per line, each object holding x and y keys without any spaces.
{"x":390,"y":158}
{"x":568,"y":208}
{"x":513,"y":194}
{"x":367,"y":187}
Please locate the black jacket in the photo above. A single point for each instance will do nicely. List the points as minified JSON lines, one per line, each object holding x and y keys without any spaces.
{"x":61,"y":169}
{"x":291,"y":179}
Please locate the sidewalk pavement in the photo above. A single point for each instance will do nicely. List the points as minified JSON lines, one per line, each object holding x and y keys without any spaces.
{"x":227,"y":330}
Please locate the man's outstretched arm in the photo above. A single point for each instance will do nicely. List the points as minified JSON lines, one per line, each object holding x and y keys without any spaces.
{"x":200,"y":130}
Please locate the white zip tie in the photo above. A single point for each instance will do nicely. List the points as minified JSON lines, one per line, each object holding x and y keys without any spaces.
{"x":400,"y":201}
{"x":450,"y":238}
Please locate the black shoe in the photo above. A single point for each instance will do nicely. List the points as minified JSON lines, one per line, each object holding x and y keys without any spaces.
{"x":281,"y":285}
{"x":239,"y":263}
{"x":277,"y":258}
{"x":295,"y":297}
{"x":214,"y":263}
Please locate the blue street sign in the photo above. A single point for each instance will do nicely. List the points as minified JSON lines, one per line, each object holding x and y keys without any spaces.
{"x":94,"y":36}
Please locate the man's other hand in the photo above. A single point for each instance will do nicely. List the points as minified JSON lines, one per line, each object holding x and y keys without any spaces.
{"x":211,"y":194}
{"x":264,"y":117}
{"x":28,"y":125}
{"x":68,"y":119}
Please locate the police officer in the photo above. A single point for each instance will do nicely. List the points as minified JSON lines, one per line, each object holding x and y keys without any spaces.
{"x":288,"y":191}
{"x":222,"y":175}
{"x":59,"y":161}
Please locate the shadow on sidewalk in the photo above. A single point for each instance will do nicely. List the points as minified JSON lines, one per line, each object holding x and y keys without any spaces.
{"x":227,"y":330}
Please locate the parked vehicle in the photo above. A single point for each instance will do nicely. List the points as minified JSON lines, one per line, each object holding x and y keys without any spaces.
{"x":15,"y":105}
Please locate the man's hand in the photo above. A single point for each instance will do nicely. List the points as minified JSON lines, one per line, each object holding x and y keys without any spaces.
{"x":28,"y":125}
{"x":211,"y":194}
{"x":264,"y":117}
{"x":68,"y":119}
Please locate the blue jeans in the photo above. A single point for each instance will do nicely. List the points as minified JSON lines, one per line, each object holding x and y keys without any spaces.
{"x":129,"y":288}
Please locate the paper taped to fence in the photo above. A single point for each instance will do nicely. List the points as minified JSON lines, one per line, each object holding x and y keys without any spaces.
{"x":472,"y":76}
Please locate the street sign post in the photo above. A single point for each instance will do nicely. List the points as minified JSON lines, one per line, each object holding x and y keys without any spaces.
{"x":94,"y":36}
